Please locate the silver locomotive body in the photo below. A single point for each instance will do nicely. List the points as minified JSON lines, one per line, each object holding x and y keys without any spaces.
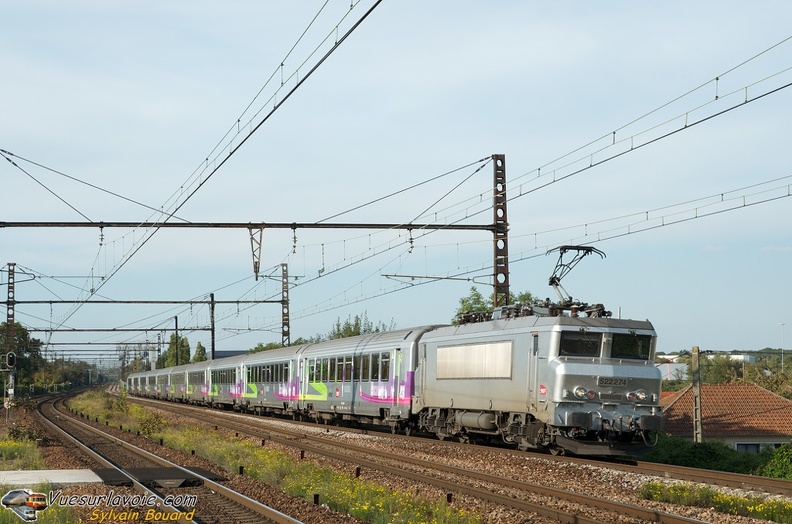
{"x":563,"y":383}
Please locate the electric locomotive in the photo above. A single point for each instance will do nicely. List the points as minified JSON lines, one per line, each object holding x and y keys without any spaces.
{"x":542,"y":379}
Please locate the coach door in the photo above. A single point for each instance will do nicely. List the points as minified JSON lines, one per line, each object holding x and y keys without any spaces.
{"x":533,"y":372}
{"x":305,"y":373}
{"x":396,"y":363}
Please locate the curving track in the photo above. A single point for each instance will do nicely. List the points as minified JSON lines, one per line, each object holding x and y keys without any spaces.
{"x":215,"y":503}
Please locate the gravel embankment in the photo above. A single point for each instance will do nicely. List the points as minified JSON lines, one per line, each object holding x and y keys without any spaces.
{"x":590,"y":479}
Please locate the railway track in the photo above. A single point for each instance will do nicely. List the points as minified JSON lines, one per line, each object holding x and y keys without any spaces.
{"x":752,"y":483}
{"x":513,"y":493}
{"x":211,"y":502}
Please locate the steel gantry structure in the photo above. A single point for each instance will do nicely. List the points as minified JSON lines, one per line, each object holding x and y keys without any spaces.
{"x":499,"y":229}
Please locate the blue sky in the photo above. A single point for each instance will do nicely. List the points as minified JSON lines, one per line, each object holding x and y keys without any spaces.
{"x":134,"y":97}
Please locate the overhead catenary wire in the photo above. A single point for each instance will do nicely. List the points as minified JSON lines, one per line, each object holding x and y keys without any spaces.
{"x":608,"y":135}
{"x":75,"y":179}
{"x":6,"y":155}
{"x":232,"y":150}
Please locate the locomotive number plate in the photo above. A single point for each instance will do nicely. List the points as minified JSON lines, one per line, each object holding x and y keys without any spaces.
{"x":611,"y":381}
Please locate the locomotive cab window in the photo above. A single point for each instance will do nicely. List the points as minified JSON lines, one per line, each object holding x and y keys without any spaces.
{"x":629,"y":346}
{"x":579,"y":344}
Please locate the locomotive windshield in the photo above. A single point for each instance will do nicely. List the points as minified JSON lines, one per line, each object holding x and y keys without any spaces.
{"x":630,"y":346}
{"x":580,"y":344}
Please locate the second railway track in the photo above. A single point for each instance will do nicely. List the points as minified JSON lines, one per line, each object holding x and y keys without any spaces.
{"x":461,"y":481}
{"x":211,"y":501}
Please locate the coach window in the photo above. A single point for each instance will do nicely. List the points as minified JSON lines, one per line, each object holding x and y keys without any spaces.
{"x":326,"y":370}
{"x":356,"y":368}
{"x":385,"y":361}
{"x":332,"y":370}
{"x":347,"y":369}
{"x":365,"y":365}
{"x":375,"y":374}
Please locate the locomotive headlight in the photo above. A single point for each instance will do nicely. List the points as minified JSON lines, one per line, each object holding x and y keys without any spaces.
{"x":580,"y":392}
{"x":639,"y":395}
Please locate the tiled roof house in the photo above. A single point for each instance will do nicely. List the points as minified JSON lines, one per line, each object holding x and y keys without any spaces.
{"x":744,"y":416}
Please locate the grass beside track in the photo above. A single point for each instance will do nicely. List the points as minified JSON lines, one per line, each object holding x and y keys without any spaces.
{"x":771,"y":509}
{"x":342,"y":492}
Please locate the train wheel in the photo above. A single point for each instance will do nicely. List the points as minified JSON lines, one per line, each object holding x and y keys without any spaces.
{"x":408,"y":430}
{"x":555,"y":451}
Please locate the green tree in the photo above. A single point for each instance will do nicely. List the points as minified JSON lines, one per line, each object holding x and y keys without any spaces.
{"x":177,"y":353}
{"x":26,"y":349}
{"x":475,"y":302}
{"x":769,"y":379}
{"x":360,"y":325}
{"x":351,"y":327}
{"x":200,"y":353}
{"x":780,"y":465}
{"x":266,"y":347}
{"x":720,"y":369}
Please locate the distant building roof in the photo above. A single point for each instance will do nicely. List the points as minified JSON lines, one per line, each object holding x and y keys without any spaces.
{"x":729,"y":411}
